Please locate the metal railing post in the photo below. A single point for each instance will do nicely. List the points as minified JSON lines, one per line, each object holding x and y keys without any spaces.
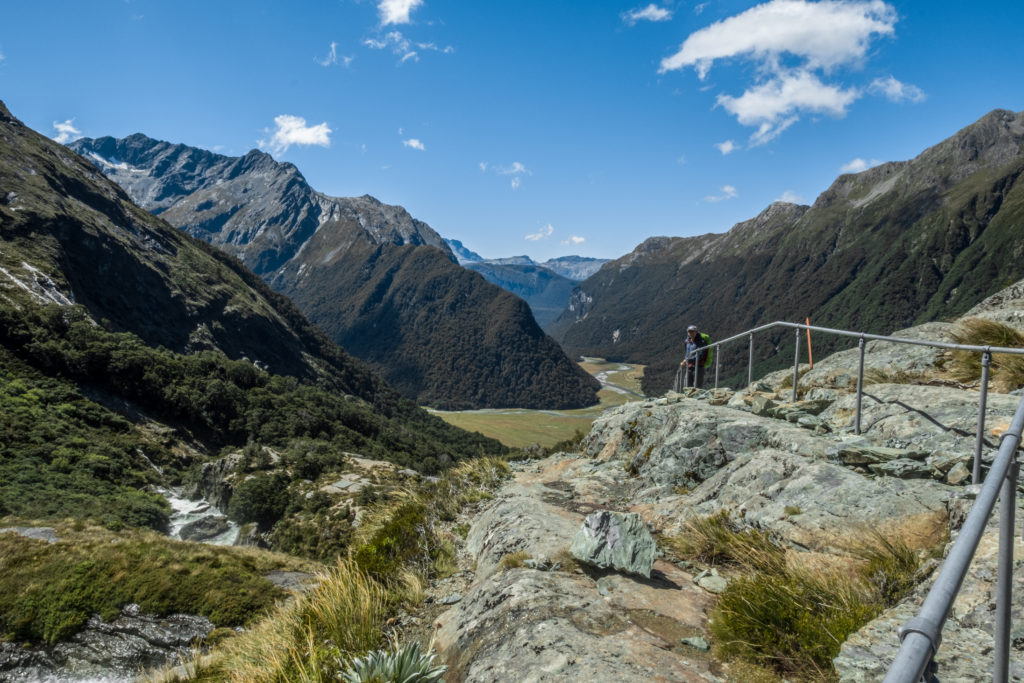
{"x":860,"y":385}
{"x":796,"y":363}
{"x":718,"y":363}
{"x":1004,"y":580}
{"x":750,"y":361}
{"x":986,"y":361}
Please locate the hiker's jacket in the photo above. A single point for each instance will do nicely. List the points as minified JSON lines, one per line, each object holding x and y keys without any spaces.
{"x":704,"y":357}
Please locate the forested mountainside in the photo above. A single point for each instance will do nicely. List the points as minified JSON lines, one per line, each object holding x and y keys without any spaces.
{"x":131,"y":354}
{"x":546,"y":292}
{"x":301,"y":241}
{"x":898,"y":244}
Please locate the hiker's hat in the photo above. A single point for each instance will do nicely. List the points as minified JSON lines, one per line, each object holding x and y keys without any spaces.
{"x":691,"y":327}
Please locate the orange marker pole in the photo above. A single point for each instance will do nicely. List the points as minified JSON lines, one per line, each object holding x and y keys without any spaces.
{"x":810,"y":356}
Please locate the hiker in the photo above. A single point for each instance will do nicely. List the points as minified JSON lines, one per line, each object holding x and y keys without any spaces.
{"x":695,"y":360}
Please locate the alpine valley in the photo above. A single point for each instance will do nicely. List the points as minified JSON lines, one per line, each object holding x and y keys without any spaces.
{"x":383,"y":285}
{"x":898,"y":244}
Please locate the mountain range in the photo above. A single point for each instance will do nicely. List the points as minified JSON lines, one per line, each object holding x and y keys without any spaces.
{"x":384,"y":285}
{"x":132,"y":353}
{"x":546,"y":286}
{"x":898,"y":244}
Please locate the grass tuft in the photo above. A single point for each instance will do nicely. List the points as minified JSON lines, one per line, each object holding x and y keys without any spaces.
{"x":788,"y":615}
{"x":1006,"y":371}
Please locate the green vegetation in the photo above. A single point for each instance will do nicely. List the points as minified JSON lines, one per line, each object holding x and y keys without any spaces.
{"x":64,"y":455}
{"x":407,"y":664}
{"x":1006,"y":371}
{"x":782,"y":613}
{"x":319,"y":636}
{"x":49,"y":590}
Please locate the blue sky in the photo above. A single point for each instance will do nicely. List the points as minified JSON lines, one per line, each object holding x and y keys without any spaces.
{"x":539,"y":128}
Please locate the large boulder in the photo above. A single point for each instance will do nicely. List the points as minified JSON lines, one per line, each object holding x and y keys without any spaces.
{"x":615,"y":540}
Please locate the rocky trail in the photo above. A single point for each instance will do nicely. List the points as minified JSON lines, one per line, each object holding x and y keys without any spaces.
{"x":527,"y":610}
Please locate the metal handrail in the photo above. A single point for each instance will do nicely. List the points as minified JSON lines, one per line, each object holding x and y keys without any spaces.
{"x":862,"y":337}
{"x":920,"y":636}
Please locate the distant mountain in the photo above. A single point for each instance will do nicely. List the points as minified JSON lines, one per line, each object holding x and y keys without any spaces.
{"x":576,"y":268}
{"x":544,"y":286}
{"x":463,"y":254}
{"x":382,"y":283}
{"x":107,"y":313}
{"x":899,"y":244}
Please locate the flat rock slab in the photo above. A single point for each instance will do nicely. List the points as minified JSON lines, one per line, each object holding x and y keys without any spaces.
{"x":526,"y":625}
{"x":810,"y":503}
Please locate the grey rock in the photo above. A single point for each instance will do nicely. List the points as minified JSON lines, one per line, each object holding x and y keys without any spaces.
{"x":117,"y":650}
{"x":615,"y":540}
{"x":959,"y":474}
{"x":523,"y":625}
{"x":713,"y":584}
{"x":697,"y":642}
{"x":902,"y":468}
{"x":40,"y":533}
{"x":205,"y":528}
{"x":450,"y":599}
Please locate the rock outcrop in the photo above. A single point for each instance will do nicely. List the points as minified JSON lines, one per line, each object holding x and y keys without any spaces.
{"x":795,"y":471}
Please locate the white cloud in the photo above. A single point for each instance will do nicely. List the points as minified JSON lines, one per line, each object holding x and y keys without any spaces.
{"x":896,"y":91}
{"x":858,"y":165}
{"x":790,"y":197}
{"x":331,"y":58}
{"x":66,"y":132}
{"x":515,"y":169}
{"x":681,"y":160}
{"x":402,"y":46}
{"x":415,"y":144}
{"x":396,"y":11}
{"x":483,"y":166}
{"x":650,"y":13}
{"x":516,"y":182}
{"x":728,"y":192}
{"x":775,"y":105}
{"x":826,"y":34}
{"x":292,"y":130}
{"x":541,"y":234}
{"x":792,"y":43}
{"x":574,"y":239}
{"x":699,"y":9}
{"x":726,"y":147}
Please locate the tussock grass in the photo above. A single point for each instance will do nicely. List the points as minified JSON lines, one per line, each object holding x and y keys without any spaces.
{"x":309,"y":639}
{"x":787,"y":614}
{"x":718,"y":540}
{"x":1006,"y":372}
{"x":514,"y":560}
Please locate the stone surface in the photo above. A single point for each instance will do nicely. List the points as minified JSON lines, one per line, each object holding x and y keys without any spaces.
{"x":114,"y":651}
{"x":615,"y":540}
{"x":205,"y":528}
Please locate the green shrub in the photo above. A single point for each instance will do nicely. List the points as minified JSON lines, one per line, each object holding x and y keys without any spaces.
{"x":402,"y":663}
{"x":399,"y":542}
{"x":260,"y":498}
